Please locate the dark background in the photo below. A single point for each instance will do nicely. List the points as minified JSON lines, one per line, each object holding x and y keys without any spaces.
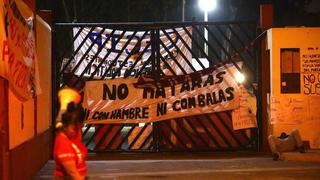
{"x":286,"y":12}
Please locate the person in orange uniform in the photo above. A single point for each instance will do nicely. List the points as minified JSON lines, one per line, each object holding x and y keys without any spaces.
{"x":69,"y":152}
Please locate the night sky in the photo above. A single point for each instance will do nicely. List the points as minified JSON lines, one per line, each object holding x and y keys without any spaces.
{"x":286,"y":12}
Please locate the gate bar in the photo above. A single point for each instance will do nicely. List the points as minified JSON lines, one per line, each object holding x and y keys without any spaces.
{"x":217,"y":130}
{"x":181,"y":53}
{"x":71,"y":44}
{"x":189,"y":49}
{"x":152,"y":25}
{"x":114,"y":137}
{"x":101,"y":139}
{"x":208,"y":132}
{"x":196,"y":131}
{"x":74,"y":53}
{"x":95,"y":56}
{"x":228,"y":129}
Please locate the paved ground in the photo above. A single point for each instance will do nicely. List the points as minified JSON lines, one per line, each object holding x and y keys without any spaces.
{"x":194,"y":167}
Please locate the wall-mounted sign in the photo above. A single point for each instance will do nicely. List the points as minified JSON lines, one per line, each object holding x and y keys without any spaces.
{"x":18,"y":63}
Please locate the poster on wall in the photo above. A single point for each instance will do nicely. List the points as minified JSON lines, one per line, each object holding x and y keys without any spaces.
{"x":18,"y":62}
{"x":300,"y":113}
{"x":107,"y":49}
{"x":114,"y":101}
{"x":288,"y":110}
{"x":311,"y":71}
{"x":245,"y":116}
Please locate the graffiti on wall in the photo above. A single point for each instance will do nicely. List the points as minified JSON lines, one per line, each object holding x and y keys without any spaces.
{"x":311,"y":72}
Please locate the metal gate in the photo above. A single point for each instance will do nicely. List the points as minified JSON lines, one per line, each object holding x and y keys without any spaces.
{"x":216,"y":42}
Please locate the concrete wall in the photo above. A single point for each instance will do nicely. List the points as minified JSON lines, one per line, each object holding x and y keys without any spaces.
{"x":25,"y":127}
{"x":27,"y":119}
{"x":21,"y":121}
{"x":296,"y":110}
{"x":4,"y":144}
{"x":30,"y":136}
{"x":44,"y":58}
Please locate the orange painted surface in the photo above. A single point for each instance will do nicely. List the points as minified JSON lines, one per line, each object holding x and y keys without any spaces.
{"x":43,"y":43}
{"x":296,"y":110}
{"x":21,"y":120}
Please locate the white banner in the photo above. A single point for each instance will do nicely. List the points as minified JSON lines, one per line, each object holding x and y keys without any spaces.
{"x":119,"y":101}
{"x":101,"y":48}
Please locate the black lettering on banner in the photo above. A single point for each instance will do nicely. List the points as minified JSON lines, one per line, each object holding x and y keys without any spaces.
{"x":191,"y":102}
{"x":160,"y":92}
{"x":137,"y":113}
{"x":113,"y":72}
{"x":174,"y":105}
{"x":119,"y":115}
{"x":107,"y":92}
{"x":209,"y":99}
{"x":108,"y":73}
{"x":215,"y":101}
{"x":95,"y":115}
{"x":131,"y":115}
{"x":147,"y":90}
{"x":201,"y":101}
{"x":88,"y":71}
{"x":122,"y":92}
{"x":103,"y":115}
{"x":187,"y":103}
{"x":113,"y":115}
{"x":208,"y":81}
{"x":229,"y":91}
{"x":173,"y":90}
{"x":125,"y":113}
{"x":161,"y":109}
{"x":220,"y":77}
{"x":145,"y":113}
{"x":126,"y":73}
{"x":184,"y":103}
{"x":100,"y":115}
{"x":185,"y":87}
{"x":196,"y":82}
{"x":86,"y":114}
{"x":221,"y":96}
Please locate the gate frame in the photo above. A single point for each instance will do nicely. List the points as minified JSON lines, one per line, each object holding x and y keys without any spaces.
{"x":260,"y":132}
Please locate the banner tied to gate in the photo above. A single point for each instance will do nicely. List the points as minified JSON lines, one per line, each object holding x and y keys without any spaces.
{"x":103,"y":53}
{"x":18,"y":63}
{"x":119,"y":101}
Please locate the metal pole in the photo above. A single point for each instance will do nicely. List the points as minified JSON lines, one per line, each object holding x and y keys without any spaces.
{"x":206,"y":32}
{"x":183,"y":9}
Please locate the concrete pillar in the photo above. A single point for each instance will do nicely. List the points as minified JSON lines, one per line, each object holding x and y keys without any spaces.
{"x":4,"y":130}
{"x":266,"y":22}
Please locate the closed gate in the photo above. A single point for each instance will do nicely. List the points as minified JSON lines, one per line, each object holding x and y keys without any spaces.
{"x":209,"y":44}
